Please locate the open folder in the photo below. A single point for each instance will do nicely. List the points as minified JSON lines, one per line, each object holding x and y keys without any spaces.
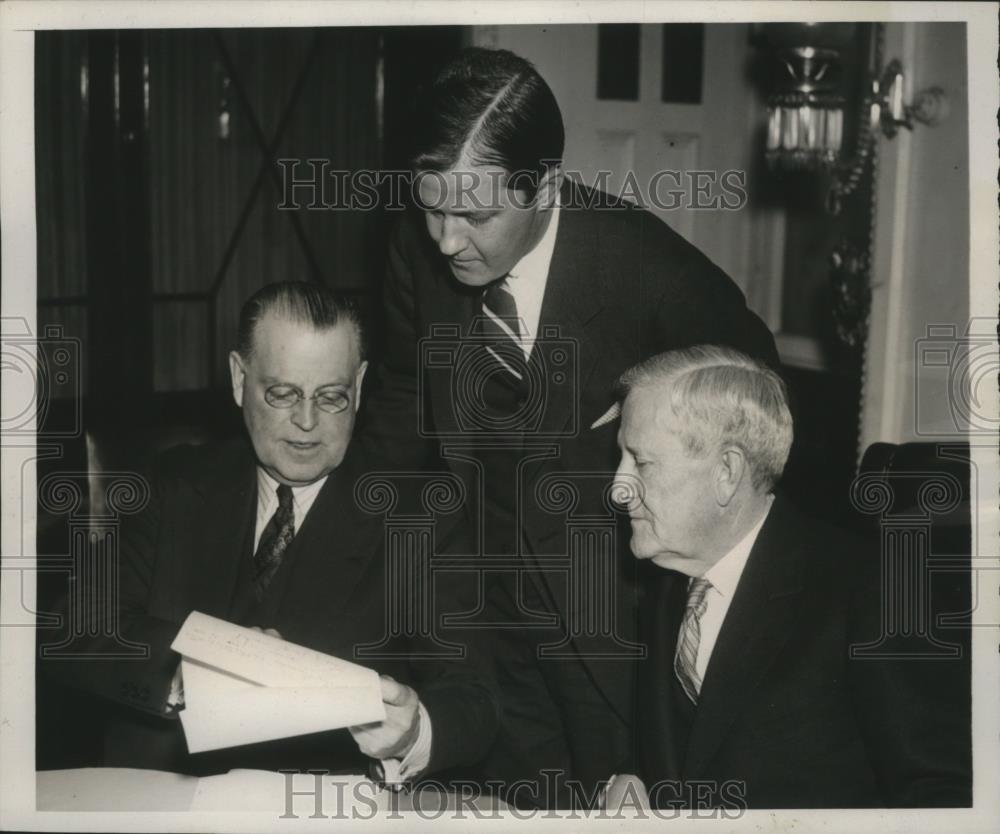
{"x":242,"y":686}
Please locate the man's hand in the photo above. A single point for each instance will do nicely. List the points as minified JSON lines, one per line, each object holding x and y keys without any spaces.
{"x":392,"y":738}
{"x":270,"y":632}
{"x":626,"y":791}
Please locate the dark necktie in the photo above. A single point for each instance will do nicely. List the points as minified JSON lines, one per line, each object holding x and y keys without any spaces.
{"x":274,"y":541}
{"x":501,"y":323}
{"x":690,"y":636}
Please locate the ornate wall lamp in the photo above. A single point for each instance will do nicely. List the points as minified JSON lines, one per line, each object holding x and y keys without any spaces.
{"x":816,"y":87}
{"x":830,"y":95}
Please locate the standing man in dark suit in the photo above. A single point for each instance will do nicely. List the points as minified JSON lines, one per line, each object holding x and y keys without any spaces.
{"x":751,"y":695}
{"x":268,"y":533}
{"x":514,"y":298}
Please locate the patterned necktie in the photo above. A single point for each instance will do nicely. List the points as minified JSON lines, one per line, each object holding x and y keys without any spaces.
{"x":690,"y":636}
{"x":502,"y":324}
{"x":274,"y":541}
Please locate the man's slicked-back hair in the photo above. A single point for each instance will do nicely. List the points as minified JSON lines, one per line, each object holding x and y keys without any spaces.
{"x":493,"y":106}
{"x":721,"y":396}
{"x":304,"y":302}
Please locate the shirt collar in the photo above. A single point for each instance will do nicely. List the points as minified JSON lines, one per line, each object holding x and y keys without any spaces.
{"x":303,"y":496}
{"x":536,"y":262}
{"x":725,"y":574}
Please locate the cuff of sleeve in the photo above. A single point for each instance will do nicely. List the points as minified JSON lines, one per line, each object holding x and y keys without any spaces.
{"x":175,"y":700}
{"x":417,"y":759}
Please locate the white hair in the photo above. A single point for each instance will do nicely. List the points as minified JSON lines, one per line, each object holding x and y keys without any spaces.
{"x":722,"y":396}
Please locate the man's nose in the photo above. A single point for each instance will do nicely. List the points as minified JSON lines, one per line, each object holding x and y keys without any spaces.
{"x":626,"y":490}
{"x":452,"y":239}
{"x":304,"y":414}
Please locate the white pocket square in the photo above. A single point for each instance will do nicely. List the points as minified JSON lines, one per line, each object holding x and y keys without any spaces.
{"x":608,"y":416}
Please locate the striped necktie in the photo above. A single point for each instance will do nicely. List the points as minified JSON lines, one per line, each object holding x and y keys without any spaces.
{"x":500,"y":321}
{"x":274,"y":541}
{"x":685,"y":659}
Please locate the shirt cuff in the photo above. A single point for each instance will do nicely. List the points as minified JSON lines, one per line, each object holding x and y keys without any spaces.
{"x":175,"y":699}
{"x":602,"y":800}
{"x":417,"y":759}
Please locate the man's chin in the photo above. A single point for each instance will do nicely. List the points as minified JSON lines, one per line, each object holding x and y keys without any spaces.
{"x":471,"y":277}
{"x":667,"y":561}
{"x":299,"y":475}
{"x":642,"y":553}
{"x":642,"y":545}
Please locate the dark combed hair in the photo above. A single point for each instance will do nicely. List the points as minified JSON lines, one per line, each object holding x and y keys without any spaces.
{"x":300,"y":301}
{"x":494,"y":105}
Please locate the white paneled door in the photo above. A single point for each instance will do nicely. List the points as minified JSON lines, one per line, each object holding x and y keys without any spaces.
{"x":688,"y":163}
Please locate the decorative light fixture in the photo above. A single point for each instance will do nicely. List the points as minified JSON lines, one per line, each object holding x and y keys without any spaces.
{"x":807,"y":102}
{"x":830,"y":94}
{"x":805,"y":114}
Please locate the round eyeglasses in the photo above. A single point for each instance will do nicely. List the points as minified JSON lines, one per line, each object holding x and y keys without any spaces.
{"x":330,"y":400}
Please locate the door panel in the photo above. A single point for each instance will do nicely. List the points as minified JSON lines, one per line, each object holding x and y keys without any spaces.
{"x":639,"y":139}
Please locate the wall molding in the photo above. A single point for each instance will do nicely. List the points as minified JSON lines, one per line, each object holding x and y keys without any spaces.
{"x":882,"y":389}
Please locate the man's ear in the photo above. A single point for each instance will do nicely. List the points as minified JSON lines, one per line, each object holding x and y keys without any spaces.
{"x":359,"y":377}
{"x":548,"y":187}
{"x":730,"y":471}
{"x":238,"y":374}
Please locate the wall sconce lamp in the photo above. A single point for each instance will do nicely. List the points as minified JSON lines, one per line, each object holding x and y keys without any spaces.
{"x":805,"y":114}
{"x":806,"y":106}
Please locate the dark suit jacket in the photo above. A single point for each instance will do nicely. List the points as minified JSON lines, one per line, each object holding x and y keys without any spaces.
{"x":784,"y":708}
{"x":191,"y":549}
{"x":621,"y":287}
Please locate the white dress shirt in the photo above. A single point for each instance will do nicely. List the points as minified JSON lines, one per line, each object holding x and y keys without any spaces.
{"x":267,"y":501}
{"x":725,"y":577}
{"x":303,"y":498}
{"x":526,"y":282}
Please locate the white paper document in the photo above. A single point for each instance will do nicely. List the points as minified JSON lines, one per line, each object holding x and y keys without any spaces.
{"x":242,"y":686}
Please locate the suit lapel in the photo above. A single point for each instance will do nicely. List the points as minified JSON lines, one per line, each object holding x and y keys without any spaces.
{"x":575,"y":292}
{"x":335,"y":546}
{"x":451,"y":310}
{"x":660,"y":611}
{"x":221,"y":532}
{"x":762,"y":616}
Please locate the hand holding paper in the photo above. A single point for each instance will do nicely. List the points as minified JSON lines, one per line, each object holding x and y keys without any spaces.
{"x":243,"y":686}
{"x":393,"y":737}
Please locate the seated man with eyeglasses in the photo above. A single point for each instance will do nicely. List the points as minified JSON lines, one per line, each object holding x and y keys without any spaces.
{"x":269,"y":534}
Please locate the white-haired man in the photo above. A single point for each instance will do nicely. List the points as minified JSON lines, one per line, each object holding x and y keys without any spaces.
{"x":750,"y":696}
